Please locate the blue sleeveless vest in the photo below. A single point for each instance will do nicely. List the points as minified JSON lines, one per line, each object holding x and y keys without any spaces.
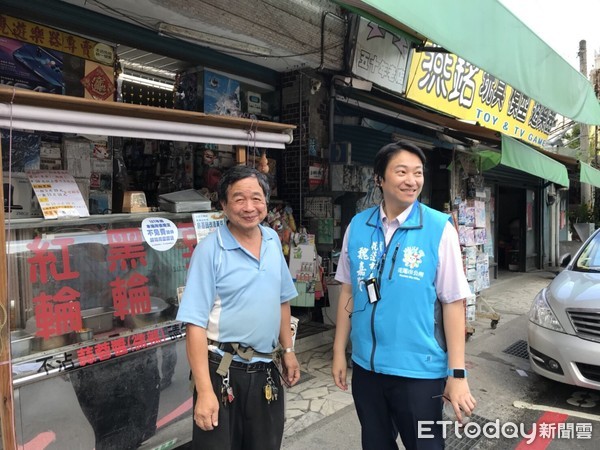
{"x":402,"y":333}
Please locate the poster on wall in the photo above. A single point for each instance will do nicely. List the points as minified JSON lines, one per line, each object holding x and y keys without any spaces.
{"x":30,"y":66}
{"x":44,"y":59}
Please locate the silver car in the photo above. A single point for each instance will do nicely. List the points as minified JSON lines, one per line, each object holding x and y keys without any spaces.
{"x":564,"y":321}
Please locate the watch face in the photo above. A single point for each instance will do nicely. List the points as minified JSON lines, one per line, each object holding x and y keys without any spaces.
{"x":459,"y":373}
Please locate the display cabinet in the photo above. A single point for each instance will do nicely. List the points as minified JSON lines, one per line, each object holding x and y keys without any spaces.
{"x":93,"y":303}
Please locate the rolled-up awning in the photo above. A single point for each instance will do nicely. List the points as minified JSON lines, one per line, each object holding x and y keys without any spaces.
{"x":488,"y":35}
{"x":589,"y":175}
{"x":28,"y":110}
{"x":522,"y":157}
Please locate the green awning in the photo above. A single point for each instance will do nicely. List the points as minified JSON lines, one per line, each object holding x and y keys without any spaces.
{"x":522,"y":157}
{"x":488,"y":35}
{"x":589,"y":175}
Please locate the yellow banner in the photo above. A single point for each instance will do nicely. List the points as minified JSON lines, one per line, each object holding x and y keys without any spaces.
{"x":34,"y":33}
{"x":448,"y":83}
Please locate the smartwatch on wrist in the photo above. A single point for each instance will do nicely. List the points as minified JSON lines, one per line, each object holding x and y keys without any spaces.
{"x":457,"y":373}
{"x":289,"y":350}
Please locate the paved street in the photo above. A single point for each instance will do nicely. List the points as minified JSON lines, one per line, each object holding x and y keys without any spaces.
{"x":320,"y":416}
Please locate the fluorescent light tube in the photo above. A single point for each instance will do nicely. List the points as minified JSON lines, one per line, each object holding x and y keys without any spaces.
{"x":146,"y":82}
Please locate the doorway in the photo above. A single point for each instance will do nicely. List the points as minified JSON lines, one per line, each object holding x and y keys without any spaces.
{"x":511,"y":218}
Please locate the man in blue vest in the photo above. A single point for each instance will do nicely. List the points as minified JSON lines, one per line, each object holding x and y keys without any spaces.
{"x":401,"y":304}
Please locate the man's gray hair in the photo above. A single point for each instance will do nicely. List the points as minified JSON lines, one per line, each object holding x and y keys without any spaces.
{"x":237,"y":173}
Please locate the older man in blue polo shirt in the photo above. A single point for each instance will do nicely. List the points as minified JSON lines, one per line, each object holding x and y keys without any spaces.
{"x":236,"y":306}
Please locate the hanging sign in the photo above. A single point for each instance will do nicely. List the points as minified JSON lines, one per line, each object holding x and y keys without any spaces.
{"x":381,"y":57}
{"x":448,"y":83}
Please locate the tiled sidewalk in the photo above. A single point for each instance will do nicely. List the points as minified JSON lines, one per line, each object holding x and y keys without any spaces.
{"x":318,"y":397}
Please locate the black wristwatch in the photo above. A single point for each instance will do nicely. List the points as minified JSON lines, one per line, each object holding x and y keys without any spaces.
{"x":457,"y":373}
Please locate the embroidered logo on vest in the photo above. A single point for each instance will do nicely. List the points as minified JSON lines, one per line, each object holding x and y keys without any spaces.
{"x":413,"y":257}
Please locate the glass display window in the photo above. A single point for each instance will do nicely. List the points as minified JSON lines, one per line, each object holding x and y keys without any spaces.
{"x":86,"y":282}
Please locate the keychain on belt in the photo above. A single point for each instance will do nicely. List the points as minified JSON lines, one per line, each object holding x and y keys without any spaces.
{"x":270,"y":389}
{"x":226,"y":391}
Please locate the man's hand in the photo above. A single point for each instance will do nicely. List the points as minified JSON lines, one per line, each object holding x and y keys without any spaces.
{"x":206,"y":413}
{"x":338,"y":370}
{"x":291,"y":368}
{"x":457,"y":391}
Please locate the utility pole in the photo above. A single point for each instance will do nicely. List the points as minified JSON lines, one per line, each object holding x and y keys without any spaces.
{"x":584,"y":135}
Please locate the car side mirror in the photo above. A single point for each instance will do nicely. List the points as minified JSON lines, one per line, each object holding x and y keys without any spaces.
{"x":565,"y":260}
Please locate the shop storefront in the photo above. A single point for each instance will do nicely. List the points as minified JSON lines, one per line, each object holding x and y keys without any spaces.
{"x":92,"y":300}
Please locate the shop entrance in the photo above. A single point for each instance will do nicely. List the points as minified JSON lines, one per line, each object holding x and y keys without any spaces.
{"x":511,"y":205}
{"x":518,"y":229}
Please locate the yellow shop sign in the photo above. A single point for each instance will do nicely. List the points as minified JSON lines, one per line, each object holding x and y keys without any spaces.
{"x":448,"y":83}
{"x":33,"y":33}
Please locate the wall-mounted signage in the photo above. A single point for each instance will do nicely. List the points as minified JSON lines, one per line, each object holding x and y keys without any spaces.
{"x":50,"y":38}
{"x":381,"y":57}
{"x":452,"y":85}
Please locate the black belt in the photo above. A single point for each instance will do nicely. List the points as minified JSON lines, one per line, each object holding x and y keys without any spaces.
{"x":260,"y":366}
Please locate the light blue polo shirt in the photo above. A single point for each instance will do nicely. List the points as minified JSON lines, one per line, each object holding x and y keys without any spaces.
{"x":236,"y":297}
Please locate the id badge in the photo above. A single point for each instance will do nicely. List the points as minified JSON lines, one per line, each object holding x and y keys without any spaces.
{"x":372,"y":290}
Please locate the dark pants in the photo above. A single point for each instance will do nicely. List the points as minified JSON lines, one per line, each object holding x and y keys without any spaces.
{"x":388,"y":405}
{"x":249,"y":422}
{"x":120,"y":399}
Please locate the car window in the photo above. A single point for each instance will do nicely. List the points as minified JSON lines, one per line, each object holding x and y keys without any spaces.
{"x":589,"y":259}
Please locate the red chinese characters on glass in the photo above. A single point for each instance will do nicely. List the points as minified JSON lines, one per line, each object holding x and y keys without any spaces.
{"x":86,"y":356}
{"x":125,"y":245}
{"x":58,"y":314}
{"x":154,"y":336}
{"x":138,"y":341}
{"x":119,"y":346}
{"x":130,"y":296}
{"x":102,"y":351}
{"x":45,"y":262}
{"x":188,"y":234}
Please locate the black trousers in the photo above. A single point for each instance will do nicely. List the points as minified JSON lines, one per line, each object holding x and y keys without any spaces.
{"x":388,"y":405}
{"x":249,"y":422}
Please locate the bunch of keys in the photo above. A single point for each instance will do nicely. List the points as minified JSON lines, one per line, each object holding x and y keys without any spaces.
{"x":226,"y":391}
{"x":270,"y":389}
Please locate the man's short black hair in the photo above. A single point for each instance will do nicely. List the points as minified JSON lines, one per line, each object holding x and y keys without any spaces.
{"x":383,"y":156}
{"x":237,"y":173}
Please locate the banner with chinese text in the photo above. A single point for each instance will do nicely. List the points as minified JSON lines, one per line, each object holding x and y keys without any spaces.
{"x":450,"y":84}
{"x":33,"y":33}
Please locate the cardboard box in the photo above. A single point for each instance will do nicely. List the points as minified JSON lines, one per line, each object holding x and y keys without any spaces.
{"x":19,"y":199}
